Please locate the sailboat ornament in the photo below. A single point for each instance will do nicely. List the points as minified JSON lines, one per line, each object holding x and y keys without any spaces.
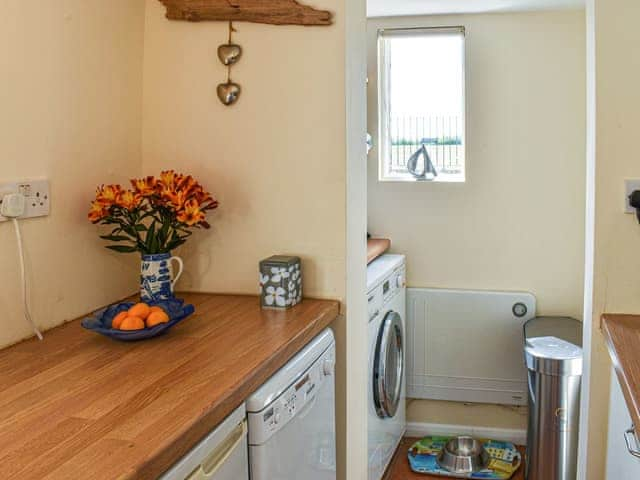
{"x":427,"y":165}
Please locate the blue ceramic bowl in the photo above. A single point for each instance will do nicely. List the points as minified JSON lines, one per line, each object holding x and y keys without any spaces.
{"x":100,"y":322}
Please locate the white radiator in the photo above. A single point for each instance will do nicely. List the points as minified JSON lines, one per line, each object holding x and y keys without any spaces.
{"x":466,"y":346}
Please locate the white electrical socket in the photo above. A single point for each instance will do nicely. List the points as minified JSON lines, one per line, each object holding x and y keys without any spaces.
{"x":37,"y":196}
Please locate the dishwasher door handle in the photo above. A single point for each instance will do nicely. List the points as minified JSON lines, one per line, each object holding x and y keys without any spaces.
{"x":629,"y":438}
{"x":220,"y":455}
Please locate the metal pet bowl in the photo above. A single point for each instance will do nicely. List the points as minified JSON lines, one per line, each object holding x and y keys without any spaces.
{"x":463,"y":455}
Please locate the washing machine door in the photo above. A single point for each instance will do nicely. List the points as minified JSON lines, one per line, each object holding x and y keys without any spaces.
{"x":388,"y":366}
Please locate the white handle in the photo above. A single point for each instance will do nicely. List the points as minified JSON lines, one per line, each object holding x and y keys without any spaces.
{"x":179,"y":274}
{"x":629,"y":438}
{"x":211,"y":465}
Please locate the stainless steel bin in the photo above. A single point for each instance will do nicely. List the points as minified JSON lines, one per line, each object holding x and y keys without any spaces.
{"x":553,"y":356}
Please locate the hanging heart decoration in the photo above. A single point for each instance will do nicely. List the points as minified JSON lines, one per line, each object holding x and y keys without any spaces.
{"x":228,"y":93}
{"x":229,"y":53}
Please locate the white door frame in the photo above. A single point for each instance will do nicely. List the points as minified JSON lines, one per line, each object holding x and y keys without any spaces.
{"x":356,"y":249}
{"x":589,"y":241}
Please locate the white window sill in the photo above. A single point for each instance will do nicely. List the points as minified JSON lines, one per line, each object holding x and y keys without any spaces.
{"x":407,"y":178}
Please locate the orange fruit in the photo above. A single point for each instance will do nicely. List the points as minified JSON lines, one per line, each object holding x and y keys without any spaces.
{"x":156,"y":309}
{"x":117,"y":320}
{"x":140,"y":310}
{"x":132,"y":323}
{"x":156,"y":318}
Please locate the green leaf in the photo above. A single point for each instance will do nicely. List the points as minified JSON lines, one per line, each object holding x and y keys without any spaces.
{"x":122,"y":248}
{"x":151,"y":242}
{"x":116,"y":238}
{"x":163,"y":235}
{"x":174,"y":244}
{"x":129,"y":229}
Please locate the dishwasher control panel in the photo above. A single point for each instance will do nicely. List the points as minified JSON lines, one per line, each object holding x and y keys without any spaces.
{"x":295,"y":400}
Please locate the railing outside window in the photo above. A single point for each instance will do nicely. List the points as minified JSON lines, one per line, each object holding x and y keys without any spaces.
{"x":442,"y":136}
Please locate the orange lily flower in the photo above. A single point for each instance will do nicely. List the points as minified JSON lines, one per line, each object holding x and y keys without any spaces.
{"x":97,"y":212}
{"x":191,"y":214}
{"x":129,"y":200}
{"x":107,"y":195}
{"x":174,"y":199}
{"x":205,"y":198}
{"x":168,"y":178}
{"x":145,"y":186}
{"x":186,"y":183}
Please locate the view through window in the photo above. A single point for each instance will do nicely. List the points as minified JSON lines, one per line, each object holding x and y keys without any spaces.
{"x":421,"y":104}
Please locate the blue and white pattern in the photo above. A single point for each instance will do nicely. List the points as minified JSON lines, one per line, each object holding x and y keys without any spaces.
{"x":156,"y":277}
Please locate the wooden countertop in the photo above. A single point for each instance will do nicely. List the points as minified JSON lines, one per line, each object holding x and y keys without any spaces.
{"x":622,"y":335}
{"x":79,"y":405}
{"x":376,"y":247}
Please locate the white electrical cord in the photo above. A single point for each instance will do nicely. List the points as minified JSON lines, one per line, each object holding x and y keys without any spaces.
{"x":25,"y":301}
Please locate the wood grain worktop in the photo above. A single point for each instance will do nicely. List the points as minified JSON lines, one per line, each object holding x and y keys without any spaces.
{"x":622,"y":335}
{"x":377,"y":247}
{"x":79,"y":405}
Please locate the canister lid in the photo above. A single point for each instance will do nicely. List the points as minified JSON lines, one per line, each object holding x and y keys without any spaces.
{"x":553,"y":356}
{"x":280,"y":260}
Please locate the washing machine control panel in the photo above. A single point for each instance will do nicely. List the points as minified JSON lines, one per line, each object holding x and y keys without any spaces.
{"x":380,"y":295}
{"x":392,"y":284}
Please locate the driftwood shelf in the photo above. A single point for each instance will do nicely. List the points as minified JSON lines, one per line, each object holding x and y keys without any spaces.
{"x":273,"y":12}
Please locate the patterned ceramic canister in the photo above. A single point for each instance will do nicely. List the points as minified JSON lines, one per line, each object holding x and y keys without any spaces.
{"x":280,"y":282}
{"x":156,"y":277}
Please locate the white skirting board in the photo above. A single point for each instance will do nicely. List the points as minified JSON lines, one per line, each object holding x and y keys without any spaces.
{"x":467,"y":345}
{"x":420,"y":430}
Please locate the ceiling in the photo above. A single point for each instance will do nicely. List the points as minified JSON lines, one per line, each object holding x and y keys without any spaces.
{"x":384,"y":8}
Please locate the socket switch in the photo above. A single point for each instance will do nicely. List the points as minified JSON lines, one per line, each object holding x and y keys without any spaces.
{"x":37,"y":196}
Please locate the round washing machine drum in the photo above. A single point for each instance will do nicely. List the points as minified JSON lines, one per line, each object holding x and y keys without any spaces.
{"x":388,"y":366}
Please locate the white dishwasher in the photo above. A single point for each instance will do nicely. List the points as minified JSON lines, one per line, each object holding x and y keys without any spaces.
{"x":221,"y":455}
{"x":292,"y":418}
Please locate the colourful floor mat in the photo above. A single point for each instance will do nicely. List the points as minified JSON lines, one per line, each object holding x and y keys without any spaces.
{"x":505,"y":459}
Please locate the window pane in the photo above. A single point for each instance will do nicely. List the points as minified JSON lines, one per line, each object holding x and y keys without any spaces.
{"x":422,"y":105}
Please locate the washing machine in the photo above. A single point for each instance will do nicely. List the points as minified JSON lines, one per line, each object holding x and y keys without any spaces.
{"x":386,"y":298}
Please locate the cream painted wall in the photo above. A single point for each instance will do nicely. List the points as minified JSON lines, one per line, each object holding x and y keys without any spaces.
{"x":518,"y":221}
{"x":276,"y":160}
{"x":71,"y":111}
{"x":257,"y":157}
{"x":617,"y":236}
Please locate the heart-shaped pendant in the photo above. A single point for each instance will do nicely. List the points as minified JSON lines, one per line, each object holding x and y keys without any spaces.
{"x":228,"y":93}
{"x":229,"y":53}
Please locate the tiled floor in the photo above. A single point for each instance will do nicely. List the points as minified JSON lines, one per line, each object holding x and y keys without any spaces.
{"x":399,"y":468}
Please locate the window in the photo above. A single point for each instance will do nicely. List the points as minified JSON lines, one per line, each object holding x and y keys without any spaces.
{"x":421,"y":104}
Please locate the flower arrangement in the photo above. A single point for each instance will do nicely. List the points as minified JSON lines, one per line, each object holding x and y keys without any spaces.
{"x":155,"y":216}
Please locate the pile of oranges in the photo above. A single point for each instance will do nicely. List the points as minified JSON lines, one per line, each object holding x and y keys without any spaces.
{"x":138,"y":317}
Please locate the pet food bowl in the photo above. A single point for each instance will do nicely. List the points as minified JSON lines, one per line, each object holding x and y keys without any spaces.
{"x":463,"y":455}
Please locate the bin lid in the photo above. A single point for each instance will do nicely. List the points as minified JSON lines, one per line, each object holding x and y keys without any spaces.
{"x":553,"y":356}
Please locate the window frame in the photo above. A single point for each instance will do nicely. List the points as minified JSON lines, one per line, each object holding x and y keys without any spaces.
{"x":384,"y":107}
